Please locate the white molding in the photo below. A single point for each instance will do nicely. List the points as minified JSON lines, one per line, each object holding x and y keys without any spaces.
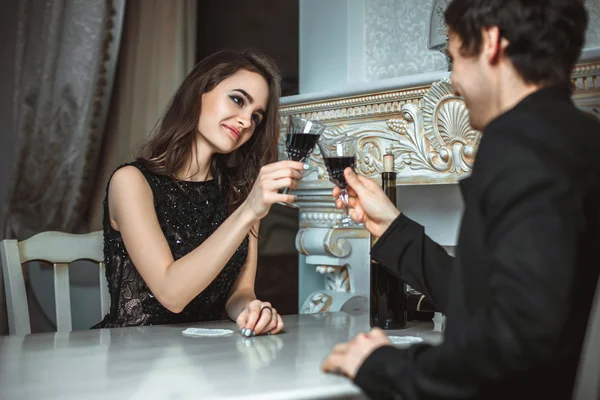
{"x":426,"y":127}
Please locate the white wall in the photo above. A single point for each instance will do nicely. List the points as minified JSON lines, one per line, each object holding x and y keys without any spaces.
{"x":350,"y":41}
{"x":437,"y":207}
{"x":396,"y":35}
{"x":331,"y":44}
{"x":593,"y":33}
{"x":323,"y":43}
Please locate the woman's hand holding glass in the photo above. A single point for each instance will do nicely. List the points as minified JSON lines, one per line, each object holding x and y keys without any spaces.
{"x":273,"y":177}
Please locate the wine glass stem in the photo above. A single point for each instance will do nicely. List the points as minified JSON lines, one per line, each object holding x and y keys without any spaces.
{"x":344,"y":197}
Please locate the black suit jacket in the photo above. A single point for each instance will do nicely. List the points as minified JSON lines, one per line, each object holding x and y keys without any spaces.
{"x":518,"y":294}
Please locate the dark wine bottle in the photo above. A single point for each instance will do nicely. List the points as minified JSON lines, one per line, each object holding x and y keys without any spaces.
{"x":387,"y":309}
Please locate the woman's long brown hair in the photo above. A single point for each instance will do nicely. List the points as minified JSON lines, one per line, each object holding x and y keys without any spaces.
{"x":172,"y":144}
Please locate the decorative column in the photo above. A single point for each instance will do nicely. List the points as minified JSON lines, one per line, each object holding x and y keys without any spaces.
{"x":339,"y":255}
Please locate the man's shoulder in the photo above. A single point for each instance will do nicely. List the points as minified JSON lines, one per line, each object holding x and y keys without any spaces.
{"x":548,"y":135}
{"x":546,"y":126}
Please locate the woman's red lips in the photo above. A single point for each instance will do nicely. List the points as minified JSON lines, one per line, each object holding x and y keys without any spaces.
{"x":235,"y":132}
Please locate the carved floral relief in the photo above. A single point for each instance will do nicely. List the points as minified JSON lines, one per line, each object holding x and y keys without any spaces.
{"x":432,"y":136}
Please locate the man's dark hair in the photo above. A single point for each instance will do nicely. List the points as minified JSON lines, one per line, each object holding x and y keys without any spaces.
{"x":546,"y":36}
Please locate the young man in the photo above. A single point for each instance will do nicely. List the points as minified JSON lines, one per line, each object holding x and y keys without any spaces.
{"x":519,"y":291}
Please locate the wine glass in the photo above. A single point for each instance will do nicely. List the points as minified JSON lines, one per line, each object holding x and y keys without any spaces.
{"x":301,"y":137}
{"x":339,"y":154}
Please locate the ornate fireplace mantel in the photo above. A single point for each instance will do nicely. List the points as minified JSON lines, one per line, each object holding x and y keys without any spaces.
{"x":427,"y":129}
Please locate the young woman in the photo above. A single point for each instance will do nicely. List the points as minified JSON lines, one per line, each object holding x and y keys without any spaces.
{"x":181,"y":222}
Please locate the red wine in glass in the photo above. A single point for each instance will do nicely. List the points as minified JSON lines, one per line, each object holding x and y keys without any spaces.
{"x":336,"y":166}
{"x":301,"y":137}
{"x":300,"y":145}
{"x":339,"y":154}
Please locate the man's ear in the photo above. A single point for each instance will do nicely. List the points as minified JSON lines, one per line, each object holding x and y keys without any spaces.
{"x":493,"y":44}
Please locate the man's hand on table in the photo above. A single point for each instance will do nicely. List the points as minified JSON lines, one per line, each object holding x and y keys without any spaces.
{"x":346,"y":358}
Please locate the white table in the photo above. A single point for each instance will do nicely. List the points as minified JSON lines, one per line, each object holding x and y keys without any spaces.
{"x":158,"y":362}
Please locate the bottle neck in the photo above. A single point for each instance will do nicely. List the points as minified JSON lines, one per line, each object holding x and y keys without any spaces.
{"x":388,"y":184}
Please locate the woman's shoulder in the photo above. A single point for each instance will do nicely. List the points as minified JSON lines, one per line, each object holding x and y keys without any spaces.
{"x":135,"y":168}
{"x":127,"y":186}
{"x":134,"y":171}
{"x":132,"y":175}
{"x":128,"y":173}
{"x":129,"y":178}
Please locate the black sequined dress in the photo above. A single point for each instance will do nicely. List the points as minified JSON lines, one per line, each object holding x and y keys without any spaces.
{"x":187,"y":217}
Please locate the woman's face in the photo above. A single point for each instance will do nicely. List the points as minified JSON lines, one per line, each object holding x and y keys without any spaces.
{"x":231,"y":112}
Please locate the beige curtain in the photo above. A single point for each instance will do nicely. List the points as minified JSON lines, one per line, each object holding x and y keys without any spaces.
{"x":64,"y":58}
{"x":158,"y":50}
{"x":63,"y":76}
